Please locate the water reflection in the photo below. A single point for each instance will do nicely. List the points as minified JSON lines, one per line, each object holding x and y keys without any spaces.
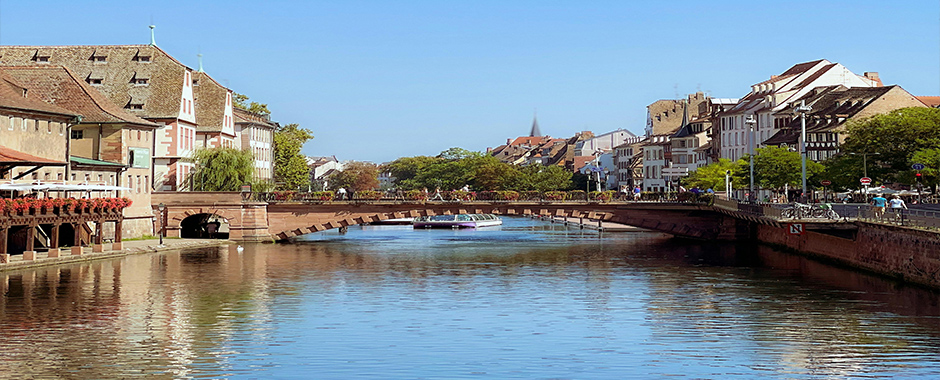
{"x":528,"y":300}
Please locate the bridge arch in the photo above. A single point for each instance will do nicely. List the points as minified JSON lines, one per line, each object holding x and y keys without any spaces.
{"x":204,"y":226}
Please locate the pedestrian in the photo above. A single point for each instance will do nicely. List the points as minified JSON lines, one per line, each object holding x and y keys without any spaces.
{"x":878,"y":206}
{"x":637,"y":192}
{"x":437,"y":195}
{"x":341,"y":193}
{"x":897,"y":204}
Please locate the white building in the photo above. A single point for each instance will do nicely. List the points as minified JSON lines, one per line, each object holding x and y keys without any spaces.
{"x":604,"y":143}
{"x":770,"y":96}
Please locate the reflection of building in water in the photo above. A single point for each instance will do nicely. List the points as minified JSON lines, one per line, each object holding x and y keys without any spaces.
{"x":159,"y":312}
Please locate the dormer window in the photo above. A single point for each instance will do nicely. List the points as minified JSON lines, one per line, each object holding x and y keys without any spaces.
{"x":98,"y":58}
{"x":41,"y":59}
{"x":94,"y":79}
{"x":134,"y":104}
{"x":142,"y":58}
{"x":195,"y":82}
{"x":138,"y":80}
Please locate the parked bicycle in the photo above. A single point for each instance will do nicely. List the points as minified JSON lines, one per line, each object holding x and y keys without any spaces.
{"x":804,"y":211}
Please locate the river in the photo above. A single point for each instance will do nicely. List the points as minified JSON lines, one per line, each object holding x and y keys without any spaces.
{"x":527,"y":300}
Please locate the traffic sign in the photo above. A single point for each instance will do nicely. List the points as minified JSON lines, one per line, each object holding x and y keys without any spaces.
{"x":865,"y":181}
{"x":825,"y":182}
{"x":795,"y":228}
{"x":917,"y":166}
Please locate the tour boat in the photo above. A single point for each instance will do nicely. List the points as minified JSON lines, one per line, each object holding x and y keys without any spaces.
{"x":457,"y":221}
{"x":393,"y":222}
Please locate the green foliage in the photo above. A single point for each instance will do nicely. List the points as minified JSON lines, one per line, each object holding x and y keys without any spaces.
{"x":290,"y":167}
{"x":457,"y":154}
{"x":220,"y":169}
{"x":891,"y":140}
{"x":241,"y":101}
{"x":930,"y":158}
{"x":356,"y":176}
{"x":713,"y":176}
{"x":775,"y":167}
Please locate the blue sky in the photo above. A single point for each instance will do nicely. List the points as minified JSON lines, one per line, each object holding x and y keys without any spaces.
{"x":377,"y":80}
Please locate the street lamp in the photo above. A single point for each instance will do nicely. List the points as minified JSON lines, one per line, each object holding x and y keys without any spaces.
{"x":751,"y":121}
{"x":162,"y":207}
{"x":803,"y":109}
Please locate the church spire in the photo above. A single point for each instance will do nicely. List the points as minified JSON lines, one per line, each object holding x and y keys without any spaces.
{"x":153,"y":39}
{"x":535,"y":127}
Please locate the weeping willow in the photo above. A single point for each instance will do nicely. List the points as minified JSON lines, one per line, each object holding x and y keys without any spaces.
{"x":220,"y":169}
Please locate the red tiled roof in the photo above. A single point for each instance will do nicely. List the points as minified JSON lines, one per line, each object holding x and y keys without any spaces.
{"x":929,"y":101}
{"x":10,"y":156}
{"x":59,"y":86}
{"x":14,"y":95}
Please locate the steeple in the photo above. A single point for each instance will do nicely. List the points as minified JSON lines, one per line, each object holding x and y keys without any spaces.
{"x":200,"y":63}
{"x":535,"y":127}
{"x":153,"y":41}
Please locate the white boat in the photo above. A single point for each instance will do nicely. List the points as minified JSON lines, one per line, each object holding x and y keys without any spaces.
{"x":457,"y":221}
{"x":393,"y":222}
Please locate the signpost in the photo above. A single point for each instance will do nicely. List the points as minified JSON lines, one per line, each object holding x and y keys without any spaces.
{"x":795,"y":229}
{"x":865,"y":181}
{"x":918,"y":167}
{"x":825,"y":184}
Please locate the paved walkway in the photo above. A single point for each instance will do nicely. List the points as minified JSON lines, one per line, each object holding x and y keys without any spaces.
{"x":130,"y":248}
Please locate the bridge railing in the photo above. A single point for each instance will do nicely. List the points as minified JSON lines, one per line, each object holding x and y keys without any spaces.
{"x":488,"y":197}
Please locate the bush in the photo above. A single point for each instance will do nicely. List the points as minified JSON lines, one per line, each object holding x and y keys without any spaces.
{"x":416,"y":195}
{"x":577,"y":195}
{"x":554,"y":195}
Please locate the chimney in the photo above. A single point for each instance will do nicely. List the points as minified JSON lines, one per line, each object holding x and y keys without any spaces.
{"x":873,"y":76}
{"x":508,"y":141}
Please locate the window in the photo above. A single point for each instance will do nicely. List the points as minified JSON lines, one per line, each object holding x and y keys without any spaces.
{"x":41,"y":58}
{"x":99,"y":59}
{"x":94,"y":81}
{"x":140,"y":81}
{"x":78,"y":134}
{"x":11,"y":123}
{"x":142,"y":58}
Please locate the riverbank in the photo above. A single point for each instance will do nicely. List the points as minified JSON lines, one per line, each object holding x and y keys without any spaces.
{"x":128,"y":248}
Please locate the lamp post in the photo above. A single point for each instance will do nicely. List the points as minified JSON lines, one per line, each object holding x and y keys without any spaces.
{"x":803,"y":109}
{"x":728,"y":184}
{"x":751,"y":121}
{"x":162,"y":207}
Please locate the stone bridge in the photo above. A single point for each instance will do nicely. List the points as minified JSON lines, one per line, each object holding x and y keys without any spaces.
{"x":259,"y":221}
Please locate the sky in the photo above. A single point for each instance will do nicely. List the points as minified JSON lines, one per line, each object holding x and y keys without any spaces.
{"x":378,"y":80}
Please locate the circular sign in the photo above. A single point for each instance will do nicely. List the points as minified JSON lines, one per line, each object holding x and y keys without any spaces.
{"x":865,"y":180}
{"x":917,"y":166}
{"x":825,"y":182}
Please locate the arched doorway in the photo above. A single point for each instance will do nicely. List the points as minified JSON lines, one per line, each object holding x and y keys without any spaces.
{"x":204,"y":226}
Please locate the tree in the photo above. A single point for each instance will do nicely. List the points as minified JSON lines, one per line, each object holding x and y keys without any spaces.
{"x":241,"y":101}
{"x":713,"y":176}
{"x":776,"y":167}
{"x":356,"y":176}
{"x":290,"y":167}
{"x":890,"y":140}
{"x":221,"y":169}
{"x":405,"y":169}
{"x":457,"y":154}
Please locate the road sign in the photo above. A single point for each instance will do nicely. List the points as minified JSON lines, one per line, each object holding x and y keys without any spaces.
{"x":795,"y":228}
{"x":917,"y":166}
{"x":865,"y":181}
{"x":825,"y":182}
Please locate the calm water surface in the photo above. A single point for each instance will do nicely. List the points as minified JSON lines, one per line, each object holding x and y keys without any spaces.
{"x":527,"y":300}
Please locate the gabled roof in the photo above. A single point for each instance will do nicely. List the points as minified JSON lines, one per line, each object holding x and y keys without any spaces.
{"x":14,"y":95}
{"x":59,"y":86}
{"x":160,"y":98}
{"x":16,"y":158}
{"x":210,"y":98}
{"x":831,"y":107}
